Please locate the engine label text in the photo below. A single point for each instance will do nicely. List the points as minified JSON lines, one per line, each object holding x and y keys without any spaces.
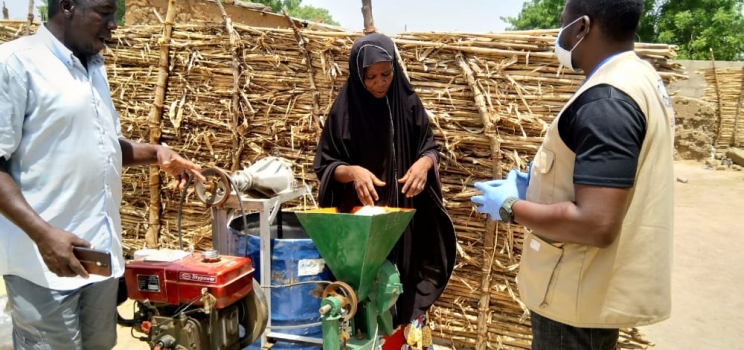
{"x":185,"y":276}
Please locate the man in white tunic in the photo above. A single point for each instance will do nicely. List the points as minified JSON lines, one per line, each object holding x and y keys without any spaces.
{"x":61,"y":154}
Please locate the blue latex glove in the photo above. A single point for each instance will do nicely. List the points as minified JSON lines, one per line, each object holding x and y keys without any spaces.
{"x":495,"y":192}
{"x":523,"y":180}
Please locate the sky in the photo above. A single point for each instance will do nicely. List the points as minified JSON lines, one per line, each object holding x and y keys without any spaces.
{"x":394,"y":16}
{"x":18,"y":9}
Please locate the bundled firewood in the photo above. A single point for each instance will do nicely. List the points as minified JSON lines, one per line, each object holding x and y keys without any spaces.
{"x":725,"y":91}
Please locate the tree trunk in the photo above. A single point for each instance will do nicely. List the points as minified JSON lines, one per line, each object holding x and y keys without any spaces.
{"x":720,"y":102}
{"x":369,"y":22}
{"x":30,"y":16}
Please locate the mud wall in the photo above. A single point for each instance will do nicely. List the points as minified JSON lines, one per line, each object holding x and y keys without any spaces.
{"x":695,"y":130}
{"x":142,"y":12}
{"x":694,"y":85}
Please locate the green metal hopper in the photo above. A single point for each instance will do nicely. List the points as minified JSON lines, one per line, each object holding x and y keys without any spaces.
{"x":354,"y":247}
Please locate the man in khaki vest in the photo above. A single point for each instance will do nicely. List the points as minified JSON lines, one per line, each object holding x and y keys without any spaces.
{"x":599,"y":196}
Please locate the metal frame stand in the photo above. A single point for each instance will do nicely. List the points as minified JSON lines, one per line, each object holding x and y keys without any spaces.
{"x":268,"y":209}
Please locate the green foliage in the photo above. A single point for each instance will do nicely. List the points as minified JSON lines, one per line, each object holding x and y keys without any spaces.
{"x":313,"y":14}
{"x":43,"y":10}
{"x":278,"y":5}
{"x":537,"y":14}
{"x":698,"y":26}
{"x":295,"y":9}
{"x":695,"y":26}
{"x":120,"y":10}
{"x":546,"y":14}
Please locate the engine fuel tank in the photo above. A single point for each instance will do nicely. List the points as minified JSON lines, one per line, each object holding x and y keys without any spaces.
{"x":178,"y":282}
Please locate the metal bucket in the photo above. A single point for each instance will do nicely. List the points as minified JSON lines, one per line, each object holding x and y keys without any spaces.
{"x":294,"y":258}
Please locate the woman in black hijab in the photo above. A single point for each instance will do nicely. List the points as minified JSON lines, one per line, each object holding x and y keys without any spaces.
{"x":377,"y":148}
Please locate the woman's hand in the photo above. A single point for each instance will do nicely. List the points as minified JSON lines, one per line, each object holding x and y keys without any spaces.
{"x":364,"y":184}
{"x":415,"y":179}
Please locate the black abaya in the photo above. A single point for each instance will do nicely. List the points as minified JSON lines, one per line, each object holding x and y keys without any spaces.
{"x":387,"y":136}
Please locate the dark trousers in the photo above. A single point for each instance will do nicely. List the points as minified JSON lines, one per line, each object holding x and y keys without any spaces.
{"x":551,"y":335}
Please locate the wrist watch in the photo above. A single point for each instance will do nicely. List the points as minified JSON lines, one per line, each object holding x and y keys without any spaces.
{"x":506,"y":213}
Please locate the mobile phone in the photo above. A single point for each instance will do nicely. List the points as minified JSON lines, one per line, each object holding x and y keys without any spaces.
{"x":96,"y":262}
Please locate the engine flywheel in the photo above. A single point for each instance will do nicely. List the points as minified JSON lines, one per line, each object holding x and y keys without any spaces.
{"x":254,"y":316}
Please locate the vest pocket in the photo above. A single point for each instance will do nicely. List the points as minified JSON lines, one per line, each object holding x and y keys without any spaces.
{"x":542,"y":177}
{"x":537,"y":270}
{"x":544,"y":161}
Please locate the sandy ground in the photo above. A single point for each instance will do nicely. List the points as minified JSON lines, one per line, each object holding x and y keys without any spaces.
{"x":708,"y":280}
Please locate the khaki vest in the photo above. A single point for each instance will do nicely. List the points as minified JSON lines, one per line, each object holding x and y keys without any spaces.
{"x":629,"y":283}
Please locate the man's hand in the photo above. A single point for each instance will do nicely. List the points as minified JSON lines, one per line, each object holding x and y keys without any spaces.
{"x":364,"y":184}
{"x":55,"y":247}
{"x":177,"y":166}
{"x":497,"y":191}
{"x":415,"y":179}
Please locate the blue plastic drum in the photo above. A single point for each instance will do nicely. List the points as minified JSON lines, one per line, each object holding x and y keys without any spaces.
{"x":293,"y":259}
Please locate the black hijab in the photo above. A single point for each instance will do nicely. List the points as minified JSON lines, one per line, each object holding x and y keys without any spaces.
{"x":387,"y":136}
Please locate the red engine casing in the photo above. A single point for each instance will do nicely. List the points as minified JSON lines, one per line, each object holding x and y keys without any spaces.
{"x":181,"y":281}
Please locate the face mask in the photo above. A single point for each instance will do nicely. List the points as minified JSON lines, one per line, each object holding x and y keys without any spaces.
{"x":564,"y":56}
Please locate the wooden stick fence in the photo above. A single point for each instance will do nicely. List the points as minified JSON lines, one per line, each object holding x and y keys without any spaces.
{"x":725,"y":89}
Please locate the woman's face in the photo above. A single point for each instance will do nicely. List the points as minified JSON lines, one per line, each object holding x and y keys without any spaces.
{"x":378,"y":77}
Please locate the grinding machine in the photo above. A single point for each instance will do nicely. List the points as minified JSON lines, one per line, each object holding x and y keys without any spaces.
{"x":210,"y":300}
{"x":355,"y":310}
